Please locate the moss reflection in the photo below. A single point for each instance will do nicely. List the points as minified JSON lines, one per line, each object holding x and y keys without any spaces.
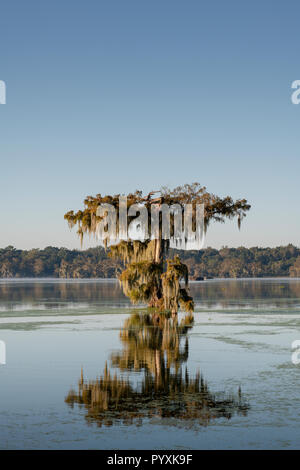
{"x":155,"y":347}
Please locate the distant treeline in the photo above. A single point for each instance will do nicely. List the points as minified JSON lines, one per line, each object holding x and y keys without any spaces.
{"x":95,"y":262}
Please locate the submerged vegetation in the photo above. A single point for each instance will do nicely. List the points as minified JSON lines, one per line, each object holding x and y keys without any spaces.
{"x":150,"y":276}
{"x":155,"y":346}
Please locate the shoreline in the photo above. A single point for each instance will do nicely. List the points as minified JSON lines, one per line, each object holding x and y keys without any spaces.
{"x":114,"y":279}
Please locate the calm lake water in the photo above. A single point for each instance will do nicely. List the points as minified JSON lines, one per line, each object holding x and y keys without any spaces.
{"x":86,"y":370}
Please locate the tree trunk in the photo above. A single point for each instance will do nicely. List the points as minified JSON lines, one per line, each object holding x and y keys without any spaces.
{"x":158,"y":251}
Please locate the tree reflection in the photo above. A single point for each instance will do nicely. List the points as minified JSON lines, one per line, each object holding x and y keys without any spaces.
{"x":227,"y":294}
{"x":156,"y":347}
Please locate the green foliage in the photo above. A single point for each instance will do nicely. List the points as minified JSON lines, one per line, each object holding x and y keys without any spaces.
{"x":57,"y":262}
{"x":215,"y":208}
{"x":148,"y":275}
{"x":96,"y":263}
{"x":173,"y":294}
{"x":141,"y":282}
{"x":242,"y":262}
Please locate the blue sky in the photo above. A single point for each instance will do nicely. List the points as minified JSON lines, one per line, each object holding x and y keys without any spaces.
{"x":113,"y":96}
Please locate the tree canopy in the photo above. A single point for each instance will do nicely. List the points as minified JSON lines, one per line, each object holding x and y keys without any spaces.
{"x":149,"y":276}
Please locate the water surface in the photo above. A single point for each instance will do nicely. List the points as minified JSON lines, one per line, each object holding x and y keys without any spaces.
{"x":86,"y":370}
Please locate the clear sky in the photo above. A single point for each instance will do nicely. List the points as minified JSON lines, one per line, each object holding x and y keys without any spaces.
{"x":117,"y":95}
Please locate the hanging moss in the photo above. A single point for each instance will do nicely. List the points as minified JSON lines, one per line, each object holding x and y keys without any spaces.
{"x":148,"y":276}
